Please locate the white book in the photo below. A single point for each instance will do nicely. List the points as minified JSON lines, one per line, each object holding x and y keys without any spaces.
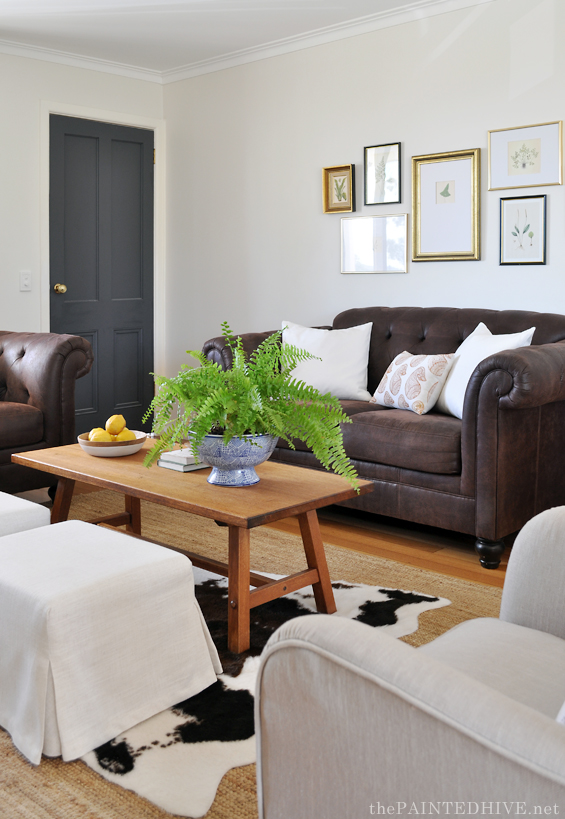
{"x":180,"y":467}
{"x":182,"y":456}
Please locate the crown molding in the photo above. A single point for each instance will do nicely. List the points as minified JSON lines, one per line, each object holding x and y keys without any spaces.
{"x":412,"y":11}
{"x":77,"y":61}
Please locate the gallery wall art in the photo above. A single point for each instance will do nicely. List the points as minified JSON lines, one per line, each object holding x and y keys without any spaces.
{"x":382,"y":174}
{"x":446,"y":206}
{"x":525,"y":157}
{"x":522,"y":229}
{"x":374,"y":244}
{"x":338,"y":189}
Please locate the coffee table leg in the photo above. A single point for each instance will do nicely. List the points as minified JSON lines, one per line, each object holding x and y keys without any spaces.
{"x":316,"y":559}
{"x":62,"y":501}
{"x":238,"y":590}
{"x":133,"y":507}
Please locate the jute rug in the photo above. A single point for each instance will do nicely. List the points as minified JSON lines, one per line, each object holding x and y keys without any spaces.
{"x":73,"y":791}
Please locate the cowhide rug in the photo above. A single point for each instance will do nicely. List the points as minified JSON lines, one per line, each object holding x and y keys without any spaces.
{"x":177,"y":758}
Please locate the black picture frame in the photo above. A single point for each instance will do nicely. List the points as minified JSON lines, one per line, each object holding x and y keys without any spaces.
{"x":517,"y":226}
{"x":382,"y":174}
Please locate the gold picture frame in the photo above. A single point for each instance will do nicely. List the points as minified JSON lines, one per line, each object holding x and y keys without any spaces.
{"x":529,"y":156}
{"x":446,"y":206}
{"x":338,"y":189}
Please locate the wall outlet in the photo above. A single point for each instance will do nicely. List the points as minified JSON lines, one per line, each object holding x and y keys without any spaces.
{"x":25,"y":280}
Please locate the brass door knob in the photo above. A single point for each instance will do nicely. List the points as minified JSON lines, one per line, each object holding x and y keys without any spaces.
{"x":60,"y":288}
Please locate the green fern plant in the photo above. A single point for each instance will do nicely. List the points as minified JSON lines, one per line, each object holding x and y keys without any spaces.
{"x":257,"y":396}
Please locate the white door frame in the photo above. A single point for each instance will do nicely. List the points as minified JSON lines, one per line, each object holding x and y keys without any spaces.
{"x":158,"y":127}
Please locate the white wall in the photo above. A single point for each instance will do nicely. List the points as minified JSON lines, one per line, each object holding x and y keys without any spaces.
{"x":247,"y":240}
{"x":25,"y":85}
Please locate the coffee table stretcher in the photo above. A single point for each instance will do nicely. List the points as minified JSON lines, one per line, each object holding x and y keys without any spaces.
{"x":241,"y":599}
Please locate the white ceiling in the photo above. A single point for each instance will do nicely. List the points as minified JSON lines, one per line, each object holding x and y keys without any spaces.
{"x":166,"y":40}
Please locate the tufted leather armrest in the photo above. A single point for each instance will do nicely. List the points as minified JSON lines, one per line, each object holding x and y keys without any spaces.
{"x":526,"y":377}
{"x":514,"y":452}
{"x":40,"y":369}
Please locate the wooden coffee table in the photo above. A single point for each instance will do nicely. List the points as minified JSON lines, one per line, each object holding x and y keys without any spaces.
{"x":283,"y":491}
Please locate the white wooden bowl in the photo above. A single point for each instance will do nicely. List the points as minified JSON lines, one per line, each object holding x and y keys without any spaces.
{"x":112,"y":449}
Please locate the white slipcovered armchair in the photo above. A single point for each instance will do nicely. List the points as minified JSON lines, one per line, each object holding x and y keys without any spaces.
{"x":353,"y":723}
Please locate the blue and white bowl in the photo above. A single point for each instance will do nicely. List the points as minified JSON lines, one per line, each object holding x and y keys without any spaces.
{"x":233,"y":464}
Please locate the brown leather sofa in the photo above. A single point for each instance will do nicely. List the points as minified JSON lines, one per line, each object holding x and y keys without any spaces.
{"x":485,"y":475}
{"x":37,"y":399}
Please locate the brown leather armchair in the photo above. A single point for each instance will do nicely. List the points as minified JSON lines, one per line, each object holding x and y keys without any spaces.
{"x":484,"y":475}
{"x":37,"y":399}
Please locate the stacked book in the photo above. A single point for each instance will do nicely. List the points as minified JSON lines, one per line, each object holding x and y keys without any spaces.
{"x":180,"y":459}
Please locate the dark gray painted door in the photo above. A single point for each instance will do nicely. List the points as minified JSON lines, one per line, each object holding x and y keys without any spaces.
{"x":101,"y":250}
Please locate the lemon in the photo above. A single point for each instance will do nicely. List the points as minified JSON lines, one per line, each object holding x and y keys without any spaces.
{"x":93,"y":431}
{"x":115,"y":424}
{"x":125,"y":435}
{"x":99,"y":435}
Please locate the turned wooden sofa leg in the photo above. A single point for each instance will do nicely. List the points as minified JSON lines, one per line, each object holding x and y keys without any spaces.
{"x":489,"y":551}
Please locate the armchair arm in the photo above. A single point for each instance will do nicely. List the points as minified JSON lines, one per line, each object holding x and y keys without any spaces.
{"x":534,"y":585}
{"x":215,"y":349}
{"x":348,"y":717}
{"x":40,"y":369}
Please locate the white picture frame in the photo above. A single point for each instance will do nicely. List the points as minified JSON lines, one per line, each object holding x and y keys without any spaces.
{"x":374,"y":244}
{"x":525,"y":157}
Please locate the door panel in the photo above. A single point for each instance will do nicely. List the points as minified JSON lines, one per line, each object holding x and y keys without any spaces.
{"x":101,"y":248}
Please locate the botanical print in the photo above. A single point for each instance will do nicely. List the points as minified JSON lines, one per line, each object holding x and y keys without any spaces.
{"x":383,"y":179}
{"x":339,"y":190}
{"x":524,"y":156}
{"x":381,"y":174}
{"x":523,"y":230}
{"x":445,"y":192}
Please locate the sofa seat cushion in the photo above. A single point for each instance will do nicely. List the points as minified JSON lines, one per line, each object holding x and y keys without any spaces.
{"x":350,"y":407}
{"x":426,"y":443}
{"x":20,"y":424}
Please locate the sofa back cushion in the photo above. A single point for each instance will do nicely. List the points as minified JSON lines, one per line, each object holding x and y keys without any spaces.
{"x":433,"y":330}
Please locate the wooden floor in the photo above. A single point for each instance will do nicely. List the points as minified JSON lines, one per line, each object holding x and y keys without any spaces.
{"x":438,"y":550}
{"x":423,"y":546}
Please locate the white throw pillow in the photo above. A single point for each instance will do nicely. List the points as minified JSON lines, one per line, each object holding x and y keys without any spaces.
{"x":413,"y":382}
{"x":344,"y":358}
{"x":476,"y":347}
{"x":561,"y":715}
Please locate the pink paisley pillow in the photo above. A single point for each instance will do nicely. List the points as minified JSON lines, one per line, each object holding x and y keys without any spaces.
{"x":413,"y":382}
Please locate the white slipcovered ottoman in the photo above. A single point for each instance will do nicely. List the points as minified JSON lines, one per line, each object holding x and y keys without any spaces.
{"x":98,"y":631}
{"x":18,"y":514}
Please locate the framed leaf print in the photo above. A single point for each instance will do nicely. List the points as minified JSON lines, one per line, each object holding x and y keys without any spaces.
{"x":446,"y":206}
{"x":525,"y":157}
{"x":522,"y":230}
{"x":338,"y":189}
{"x":382,"y":174}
